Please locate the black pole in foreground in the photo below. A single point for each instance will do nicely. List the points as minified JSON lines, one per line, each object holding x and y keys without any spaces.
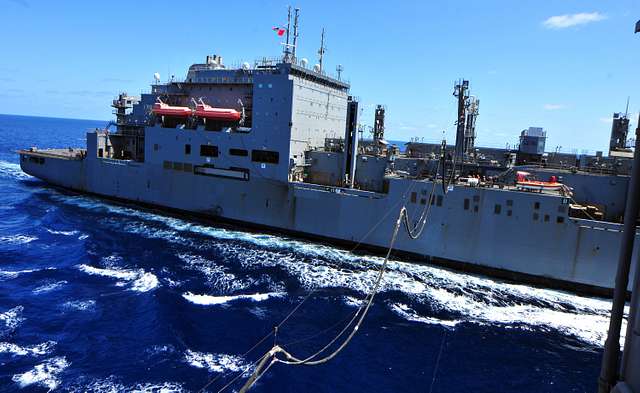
{"x":611,"y":357}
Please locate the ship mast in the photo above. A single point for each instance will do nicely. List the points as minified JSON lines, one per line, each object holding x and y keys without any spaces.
{"x":287,"y":51}
{"x":321,"y":50}
{"x":295,"y":34}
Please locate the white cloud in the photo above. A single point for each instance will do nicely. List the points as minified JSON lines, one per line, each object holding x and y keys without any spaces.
{"x":569,"y":20}
{"x":605,"y":119}
{"x":553,"y":107}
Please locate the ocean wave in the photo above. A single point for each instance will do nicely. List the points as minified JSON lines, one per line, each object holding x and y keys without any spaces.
{"x":471,"y":298}
{"x":13,"y":170}
{"x":63,"y":233}
{"x":138,"y":280}
{"x":48,"y":287}
{"x":407,"y":313}
{"x":33,"y":350}
{"x":79,"y":305}
{"x":216,"y":362}
{"x":17,"y":239}
{"x":111,"y":385}
{"x":6,"y":274}
{"x":208,"y":300}
{"x":12,"y":318}
{"x":44,"y":374}
{"x":352,"y":301}
{"x":216,"y":275}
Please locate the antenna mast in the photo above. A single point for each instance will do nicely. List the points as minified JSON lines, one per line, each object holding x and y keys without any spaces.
{"x":321,"y":50}
{"x":287,"y":52}
{"x":295,"y":34}
{"x":626,"y":111}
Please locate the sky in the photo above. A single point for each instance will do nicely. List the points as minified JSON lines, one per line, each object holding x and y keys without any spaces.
{"x":562,"y":65}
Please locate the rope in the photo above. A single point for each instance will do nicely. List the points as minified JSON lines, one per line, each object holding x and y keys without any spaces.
{"x":362,"y":311}
{"x":437,"y":366}
{"x":292,"y":360}
{"x":295,"y":309}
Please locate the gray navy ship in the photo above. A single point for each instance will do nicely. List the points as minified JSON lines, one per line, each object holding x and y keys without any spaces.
{"x":276,"y":145}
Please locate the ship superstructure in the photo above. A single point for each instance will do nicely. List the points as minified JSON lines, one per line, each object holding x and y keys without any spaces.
{"x":276,"y":144}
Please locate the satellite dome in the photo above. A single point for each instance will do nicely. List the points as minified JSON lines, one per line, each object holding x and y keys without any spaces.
{"x":304,"y":62}
{"x":246,"y":66}
{"x":316,"y":68}
{"x":156,"y":76}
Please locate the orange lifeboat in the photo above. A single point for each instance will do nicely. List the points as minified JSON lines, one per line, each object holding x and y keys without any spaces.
{"x":162,"y":109}
{"x":221,"y":114}
{"x":524,"y":182}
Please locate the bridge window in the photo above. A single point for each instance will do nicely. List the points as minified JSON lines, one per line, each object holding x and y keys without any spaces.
{"x":208,"y":151}
{"x":187,"y":149}
{"x":497,"y":208}
{"x":466,"y":204}
{"x":238,"y":152}
{"x":266,"y":156}
{"x":560,"y":219}
{"x":177,"y":166}
{"x":536,"y":205}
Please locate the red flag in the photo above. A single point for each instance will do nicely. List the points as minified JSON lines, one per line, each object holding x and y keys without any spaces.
{"x":279,"y":30}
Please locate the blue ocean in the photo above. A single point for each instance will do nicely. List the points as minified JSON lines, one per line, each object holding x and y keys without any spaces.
{"x":97,"y":296}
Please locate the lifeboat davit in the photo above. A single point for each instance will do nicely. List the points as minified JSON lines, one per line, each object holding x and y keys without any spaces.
{"x":523,"y":181}
{"x":162,"y":109}
{"x":221,"y":114}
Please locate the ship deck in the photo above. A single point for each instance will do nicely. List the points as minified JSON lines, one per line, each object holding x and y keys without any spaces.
{"x":68,"y":153}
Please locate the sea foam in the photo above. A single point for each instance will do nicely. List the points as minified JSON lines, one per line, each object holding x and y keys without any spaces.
{"x":208,"y":300}
{"x":44,"y":374}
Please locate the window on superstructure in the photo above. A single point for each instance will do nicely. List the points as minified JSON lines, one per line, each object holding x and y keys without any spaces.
{"x":177,"y":166}
{"x":536,"y":205}
{"x":187,"y":167}
{"x":560,"y":219}
{"x":497,"y":208}
{"x":208,"y":151}
{"x":166,"y":164}
{"x":238,"y":152}
{"x":414,"y":197}
{"x":266,"y":156}
{"x":466,"y":204}
{"x":187,"y":149}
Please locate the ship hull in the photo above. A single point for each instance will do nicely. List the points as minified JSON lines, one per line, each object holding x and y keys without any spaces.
{"x":575,"y":254}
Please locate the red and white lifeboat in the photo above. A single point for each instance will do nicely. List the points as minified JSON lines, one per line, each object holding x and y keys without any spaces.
{"x":162,"y":109}
{"x":523,"y":181}
{"x":220,"y":114}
